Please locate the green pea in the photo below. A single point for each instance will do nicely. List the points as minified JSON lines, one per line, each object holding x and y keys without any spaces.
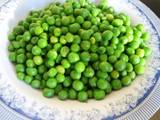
{"x":134,"y":59}
{"x":82,"y":96}
{"x":52,"y":72}
{"x":36,"y":84}
{"x":72,"y":94}
{"x":107,"y":35}
{"x":75,"y":75}
{"x":51,"y":83}
{"x":64,"y":51}
{"x":126,"y":80}
{"x":20,"y":68}
{"x":52,"y":54}
{"x":85,"y":56}
{"x":139,"y":69}
{"x":20,"y":75}
{"x":77,"y":85}
{"x":60,"y":78}
{"x":38,"y":60}
{"x":105,"y":67}
{"x":85,"y":45}
{"x":99,"y":94}
{"x":102,"y":84}
{"x":73,"y":57}
{"x":89,"y":72}
{"x":47,"y":92}
{"x":116,"y":84}
{"x":114,"y":74}
{"x":50,"y":20}
{"x":42,"y":43}
{"x":28,"y":79}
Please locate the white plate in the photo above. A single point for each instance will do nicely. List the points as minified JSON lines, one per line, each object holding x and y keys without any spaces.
{"x":20,"y":101}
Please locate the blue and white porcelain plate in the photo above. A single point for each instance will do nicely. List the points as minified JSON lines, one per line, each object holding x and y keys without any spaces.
{"x":136,"y":102}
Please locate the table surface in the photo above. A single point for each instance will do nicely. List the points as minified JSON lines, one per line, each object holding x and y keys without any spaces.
{"x":155,"y":6}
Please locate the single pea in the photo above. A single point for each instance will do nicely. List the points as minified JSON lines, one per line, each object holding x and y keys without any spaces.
{"x":28,"y":79}
{"x":145,"y":36}
{"x":30,"y":63}
{"x":124,"y":57}
{"x":69,"y":37}
{"x":120,"y":65}
{"x":42,"y":43}
{"x":94,"y":57}
{"x":31,"y":71}
{"x":77,"y":85}
{"x":21,"y":58}
{"x":63,"y":95}
{"x":114,"y":74}
{"x":79,"y":67}
{"x":134,"y":59}
{"x":72,"y":94}
{"x":49,"y":63}
{"x":130,"y":51}
{"x":73,"y":57}
{"x":74,"y":28}
{"x":42,"y":69}
{"x":140,"y":52}
{"x":142,"y":61}
{"x":101,"y":50}
{"x":102,"y":84}
{"x":65,"y":63}
{"x":51,"y":83}
{"x":82,"y":96}
{"x":99,"y":94}
{"x":60,"y":78}
{"x":45,"y":26}
{"x":60,"y":69}
{"x":107,"y":35}
{"x":85,"y":56}
{"x":147,"y":51}
{"x":139,"y":69}
{"x":126,"y":81}
{"x":47,"y":92}
{"x":27,"y":36}
{"x":110,"y":50}
{"x":64,"y":51}
{"x":116,"y":84}
{"x":36,"y":50}
{"x":52,"y":54}
{"x":75,"y":47}
{"x":90,"y":93}
{"x":52,"y":72}
{"x":134,"y":44}
{"x":132,"y":75}
{"x":129,"y":67}
{"x":102,"y":75}
{"x":20,"y":68}
{"x":12,"y":56}
{"x":53,"y":39}
{"x":38,"y":60}
{"x":75,"y":75}
{"x":112,"y":59}
{"x":50,"y":20}
{"x":67,"y":82}
{"x":20,"y":75}
{"x":117,"y":22}
{"x":89,"y":72}
{"x":65,"y":20}
{"x":36,"y":84}
{"x":57,"y":32}
{"x":85,"y":45}
{"x":93,"y":82}
{"x":86,"y":34}
{"x":38,"y":30}
{"x":109,"y":89}
{"x":105,"y":67}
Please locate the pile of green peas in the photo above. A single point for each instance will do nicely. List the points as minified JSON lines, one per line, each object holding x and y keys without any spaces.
{"x":78,"y":50}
